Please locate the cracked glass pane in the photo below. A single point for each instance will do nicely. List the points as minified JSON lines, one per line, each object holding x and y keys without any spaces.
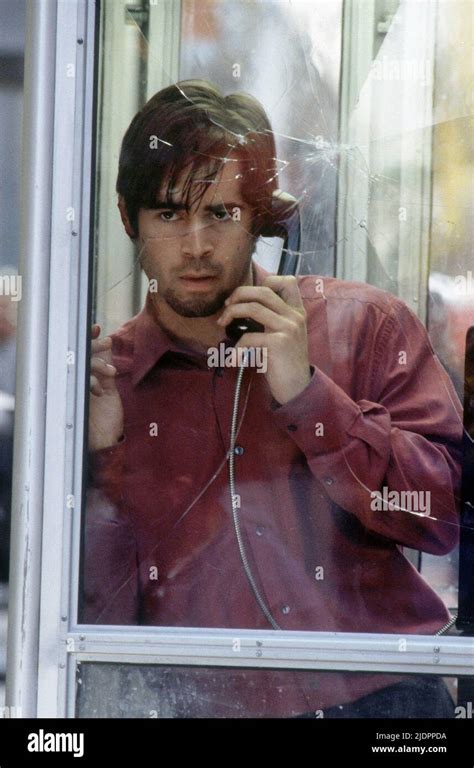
{"x":155,"y":692}
{"x":297,"y":463}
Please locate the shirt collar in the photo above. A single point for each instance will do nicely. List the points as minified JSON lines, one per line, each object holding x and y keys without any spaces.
{"x":152,"y":341}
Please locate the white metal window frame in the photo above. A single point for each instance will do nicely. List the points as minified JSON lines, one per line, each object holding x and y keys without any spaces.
{"x":45,"y":642}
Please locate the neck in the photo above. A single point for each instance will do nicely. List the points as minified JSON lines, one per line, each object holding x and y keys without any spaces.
{"x":196,"y":333}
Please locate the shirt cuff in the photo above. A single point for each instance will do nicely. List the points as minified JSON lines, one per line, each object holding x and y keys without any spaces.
{"x":320,"y":417}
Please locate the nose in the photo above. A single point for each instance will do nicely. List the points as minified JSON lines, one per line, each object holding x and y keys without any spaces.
{"x":196,"y":241}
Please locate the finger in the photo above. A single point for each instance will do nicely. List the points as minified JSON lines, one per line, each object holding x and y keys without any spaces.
{"x":105,"y":373}
{"x":103,"y":354}
{"x":95,"y":330}
{"x":98,"y":345}
{"x":264,"y":295}
{"x":287,"y":287}
{"x":101,"y":366}
{"x":95,"y":387}
{"x":270,"y":319}
{"x":255,"y":340}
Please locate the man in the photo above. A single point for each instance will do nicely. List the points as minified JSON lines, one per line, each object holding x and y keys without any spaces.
{"x":347,"y":439}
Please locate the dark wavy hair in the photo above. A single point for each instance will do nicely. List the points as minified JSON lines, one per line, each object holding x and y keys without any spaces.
{"x":186,"y":131}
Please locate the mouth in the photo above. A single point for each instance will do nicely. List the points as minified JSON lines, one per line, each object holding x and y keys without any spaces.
{"x":198,"y":281}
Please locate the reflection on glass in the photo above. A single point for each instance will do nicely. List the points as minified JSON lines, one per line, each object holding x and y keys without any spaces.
{"x":286,"y":486}
{"x":140,"y":691}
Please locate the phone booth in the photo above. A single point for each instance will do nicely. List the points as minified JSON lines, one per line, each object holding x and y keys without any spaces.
{"x":371,"y":154}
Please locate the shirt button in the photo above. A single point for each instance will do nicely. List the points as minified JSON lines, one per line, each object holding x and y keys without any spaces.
{"x":238,"y":450}
{"x":220,"y":371}
{"x":328,"y":480}
{"x":285,"y":609}
{"x":259,"y":530}
{"x":292,"y":427}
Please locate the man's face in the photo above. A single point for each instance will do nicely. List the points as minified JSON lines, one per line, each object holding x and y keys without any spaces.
{"x":199,"y":256}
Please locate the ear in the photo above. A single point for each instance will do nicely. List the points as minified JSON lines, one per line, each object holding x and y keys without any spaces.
{"x":125,"y":220}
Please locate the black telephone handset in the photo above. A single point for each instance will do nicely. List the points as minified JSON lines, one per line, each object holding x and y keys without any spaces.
{"x":240,"y":325}
{"x":285,"y":223}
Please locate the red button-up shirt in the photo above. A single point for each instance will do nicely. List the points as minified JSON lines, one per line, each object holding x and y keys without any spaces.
{"x":379,"y":411}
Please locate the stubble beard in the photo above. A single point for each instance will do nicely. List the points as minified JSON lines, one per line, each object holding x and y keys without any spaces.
{"x":196,"y":307}
{"x":201,"y":306}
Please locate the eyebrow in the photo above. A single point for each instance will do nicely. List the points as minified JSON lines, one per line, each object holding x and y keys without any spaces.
{"x":169,"y":206}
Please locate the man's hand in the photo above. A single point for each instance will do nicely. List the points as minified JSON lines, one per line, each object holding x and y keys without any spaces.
{"x":278,"y":306}
{"x":105,"y":405}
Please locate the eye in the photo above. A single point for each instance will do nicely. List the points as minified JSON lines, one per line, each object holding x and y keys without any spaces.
{"x":221,"y":214}
{"x":168,"y":216}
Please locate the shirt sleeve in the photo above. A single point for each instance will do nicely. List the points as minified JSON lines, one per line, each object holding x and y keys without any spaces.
{"x":406,"y":437}
{"x":110,"y":594}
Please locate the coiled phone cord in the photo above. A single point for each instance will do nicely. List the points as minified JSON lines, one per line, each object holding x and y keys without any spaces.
{"x":235,"y":503}
{"x":447,"y":626}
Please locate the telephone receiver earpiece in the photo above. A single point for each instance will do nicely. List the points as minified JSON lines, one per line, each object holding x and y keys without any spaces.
{"x":284,"y":222}
{"x":284,"y":206}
